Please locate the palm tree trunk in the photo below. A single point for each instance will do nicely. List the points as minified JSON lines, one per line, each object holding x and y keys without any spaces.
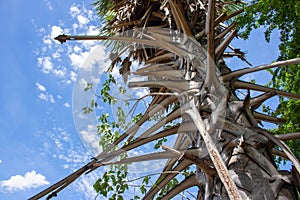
{"x":239,"y":163}
{"x":219,"y":133}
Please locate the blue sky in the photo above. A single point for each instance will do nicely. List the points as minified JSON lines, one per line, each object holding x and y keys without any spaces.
{"x":39,"y":141}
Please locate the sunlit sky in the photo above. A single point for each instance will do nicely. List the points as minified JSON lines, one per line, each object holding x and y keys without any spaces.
{"x":39,"y":143}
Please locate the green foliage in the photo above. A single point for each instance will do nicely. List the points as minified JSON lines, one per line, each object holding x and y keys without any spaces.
{"x":87,"y":110}
{"x":93,"y":104}
{"x":106,"y":14}
{"x":145,"y":182}
{"x":289,"y":110}
{"x":88,"y":86}
{"x":137,"y":117}
{"x":173,"y":183}
{"x":271,"y":14}
{"x":160,"y":143}
{"x":253,"y":81}
{"x":103,"y":8}
{"x":282,"y":16}
{"x":105,"y":94}
{"x":105,"y":91}
{"x":106,"y":131}
{"x":267,"y":109}
{"x":90,"y":108}
{"x":112,"y":182}
{"x":230,"y":7}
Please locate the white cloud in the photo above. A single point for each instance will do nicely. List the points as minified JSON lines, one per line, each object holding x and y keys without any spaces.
{"x":77,"y":48}
{"x":52,"y":62}
{"x":63,"y":148}
{"x":248,"y":77}
{"x":72,"y":157}
{"x":58,"y":144}
{"x":74,"y":11}
{"x":66,"y":166}
{"x":75,"y":27}
{"x":49,"y":5}
{"x":67,"y":105}
{"x":60,"y":72}
{"x":96,"y":59}
{"x":40,"y":87}
{"x":73,"y":76}
{"x":19,"y":182}
{"x":78,"y":59}
{"x":56,"y":55}
{"x":42,"y":30}
{"x":82,"y":20}
{"x":91,"y":139}
{"x":51,"y":98}
{"x":93,"y":30}
{"x":43,"y":96}
{"x":141,"y":92}
{"x":46,"y":64}
{"x":47,"y":41}
{"x":0,"y":161}
{"x":55,"y":31}
{"x":85,"y":184}
{"x":46,"y":97}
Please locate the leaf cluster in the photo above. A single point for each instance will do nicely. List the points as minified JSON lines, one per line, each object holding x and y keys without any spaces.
{"x":112,"y":181}
{"x":282,"y":16}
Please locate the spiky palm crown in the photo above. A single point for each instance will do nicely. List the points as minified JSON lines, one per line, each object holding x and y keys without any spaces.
{"x":232,"y":155}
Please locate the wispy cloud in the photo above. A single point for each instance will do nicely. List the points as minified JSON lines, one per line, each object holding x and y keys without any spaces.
{"x":91,"y":139}
{"x":45,"y":63}
{"x":71,"y":157}
{"x":48,"y":4}
{"x":85,"y":183}
{"x":40,"y":87}
{"x":78,"y":58}
{"x":67,"y":105}
{"x":29,"y":180}
{"x":46,"y":97}
{"x":43,"y":94}
{"x":74,"y":11}
{"x":62,"y":62}
{"x":52,"y":57}
{"x":82,"y":20}
{"x":73,"y":76}
{"x":55,"y":31}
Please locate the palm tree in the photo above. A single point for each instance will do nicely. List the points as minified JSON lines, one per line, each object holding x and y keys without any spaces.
{"x":182,"y":45}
